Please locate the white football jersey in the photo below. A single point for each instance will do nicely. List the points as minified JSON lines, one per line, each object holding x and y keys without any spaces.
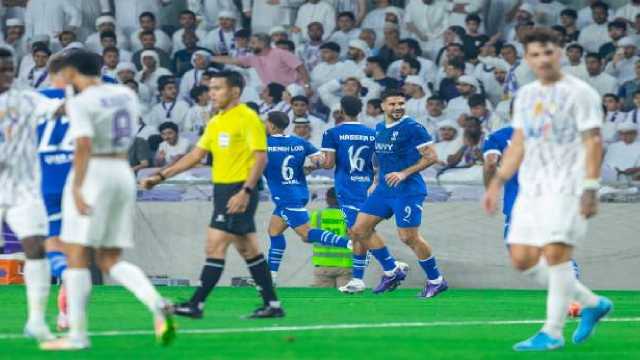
{"x":106,"y":113}
{"x":552,"y":118}
{"x":20,"y":111}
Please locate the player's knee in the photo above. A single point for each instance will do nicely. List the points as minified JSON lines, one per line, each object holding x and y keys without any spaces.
{"x":410,"y":238}
{"x":34,"y":247}
{"x":522,"y":263}
{"x":359,"y":233}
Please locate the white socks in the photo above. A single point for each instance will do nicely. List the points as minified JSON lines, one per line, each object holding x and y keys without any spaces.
{"x":562,"y":287}
{"x":539,"y":273}
{"x":134,"y":280}
{"x":37,"y":277}
{"x":584,"y":296}
{"x":78,"y":284}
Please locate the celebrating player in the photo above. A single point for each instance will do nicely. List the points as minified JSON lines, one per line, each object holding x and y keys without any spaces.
{"x":237,"y":139}
{"x":557,"y":149}
{"x":402,"y":149}
{"x":349,"y":147}
{"x":99,"y":198}
{"x":285,"y":175}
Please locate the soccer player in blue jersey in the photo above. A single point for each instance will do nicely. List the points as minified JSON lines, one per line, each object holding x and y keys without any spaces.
{"x":285,"y":173}
{"x":55,"y":150}
{"x":402,"y":151}
{"x":349,"y":146}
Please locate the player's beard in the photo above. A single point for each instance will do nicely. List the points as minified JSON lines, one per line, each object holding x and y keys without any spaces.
{"x":397,"y":114}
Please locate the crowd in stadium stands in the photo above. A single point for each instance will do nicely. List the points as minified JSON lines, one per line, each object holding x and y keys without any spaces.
{"x":459,"y":62}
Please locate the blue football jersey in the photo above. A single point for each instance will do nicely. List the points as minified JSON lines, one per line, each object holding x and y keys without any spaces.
{"x":285,"y":169}
{"x":497,"y":143}
{"x":354,"y":146}
{"x":397,"y":149}
{"x":55,"y":149}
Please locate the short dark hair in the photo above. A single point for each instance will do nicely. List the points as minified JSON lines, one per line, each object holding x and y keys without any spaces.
{"x":594,"y":55}
{"x":348,"y":14}
{"x":611,"y":95}
{"x":620,"y":24}
{"x":378,"y":60}
{"x":435,"y":98}
{"x":253,"y":106}
{"x":351,"y":106}
{"x":473,"y":17}
{"x":168,"y":125}
{"x":570,"y":13}
{"x":559,"y":29}
{"x":85,"y":62}
{"x":477,"y":100}
{"x":330,"y":45}
{"x":376,"y":103}
{"x":112,"y":49}
{"x":233,"y":78}
{"x":288,"y":43}
{"x":197,"y":91}
{"x":576,"y":46}
{"x":540,"y":35}
{"x":108,"y":34}
{"x":413,"y":62}
{"x":187,"y":12}
{"x":275,"y":90}
{"x":391,"y":93}
{"x":458,"y":64}
{"x":300,"y":98}
{"x":455,"y":44}
{"x":38,"y":47}
{"x":279,"y":119}
{"x":147,"y":14}
{"x":146,"y":33}
{"x":413,"y":45}
{"x":600,"y":4}
{"x":5,"y":53}
{"x":242,"y":33}
{"x":165,"y":80}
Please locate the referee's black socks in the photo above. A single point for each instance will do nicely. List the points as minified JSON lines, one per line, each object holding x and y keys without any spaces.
{"x":211,"y":272}
{"x":259,"y":270}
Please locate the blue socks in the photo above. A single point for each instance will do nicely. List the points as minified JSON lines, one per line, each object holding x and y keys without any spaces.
{"x":359,"y":264}
{"x":430,"y":268}
{"x":58,"y":263}
{"x":385,"y":259}
{"x":327,"y":238}
{"x":276,"y":251}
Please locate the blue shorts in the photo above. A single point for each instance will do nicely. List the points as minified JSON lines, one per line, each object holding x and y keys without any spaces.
{"x":407,"y":209}
{"x":507,"y":223}
{"x":293,"y":215}
{"x":350,"y":213}
{"x":53,"y":203}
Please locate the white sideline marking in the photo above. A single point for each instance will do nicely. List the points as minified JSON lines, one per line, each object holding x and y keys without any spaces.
{"x":112,"y":333}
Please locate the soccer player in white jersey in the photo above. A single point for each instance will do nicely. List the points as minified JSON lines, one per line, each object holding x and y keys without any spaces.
{"x":21,"y":204}
{"x":99,"y":198}
{"x":556,"y":149}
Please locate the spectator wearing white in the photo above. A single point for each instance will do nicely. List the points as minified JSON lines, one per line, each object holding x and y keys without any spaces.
{"x":291,"y":91}
{"x":629,"y":11}
{"x":149,"y":41}
{"x":199,"y":114}
{"x":50,"y":17}
{"x":90,"y":10}
{"x":622,"y":158}
{"x":453,"y":51}
{"x":467,"y":86}
{"x":221,"y":39}
{"x":170,"y":108}
{"x":448,"y":141}
{"x":459,"y":9}
{"x":269,"y":13}
{"x":436,"y":114}
{"x":623,"y":64}
{"x":358,"y":53}
{"x":633,"y":116}
{"x":103,"y":24}
{"x":300,"y":109}
{"x":417,"y":93}
{"x":241,"y":43}
{"x":617,"y":31}
{"x":373,"y":114}
{"x":330,"y":67}
{"x":38,"y":76}
{"x":201,"y":60}
{"x":520,"y":73}
{"x":523,"y":14}
{"x":315,"y":11}
{"x":613,"y":116}
{"x":14,"y":37}
{"x":309,"y":50}
{"x":376,"y":70}
{"x":331,"y":92}
{"x":376,"y":19}
{"x":494,"y":85}
{"x":64,"y":39}
{"x":187,"y":19}
{"x":208,"y":11}
{"x":599,"y":80}
{"x":148,"y":23}
{"x":593,"y":36}
{"x":585,"y":16}
{"x":410,"y":47}
{"x":151,"y":71}
{"x":569,"y":21}
{"x":466,"y":163}
{"x":369,"y":37}
{"x":126,"y":71}
{"x":271,"y":98}
{"x":109,"y":39}
{"x":345,"y":32}
{"x":426,"y":21}
{"x":576,"y":66}
{"x":110,"y":61}
{"x":173,"y":147}
{"x":302,"y":128}
{"x":547,"y":12}
{"x":489,"y":120}
{"x":127,"y":12}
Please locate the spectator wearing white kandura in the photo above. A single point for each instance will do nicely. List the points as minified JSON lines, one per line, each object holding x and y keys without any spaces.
{"x":300,"y":109}
{"x":364,"y":89}
{"x":110,"y":61}
{"x":593,"y":36}
{"x":127,"y":12}
{"x":207,"y":11}
{"x":375,"y":19}
{"x":151,"y":71}
{"x":426,"y":21}
{"x":106,"y":23}
{"x":15,"y":38}
{"x":109,"y":39}
{"x":418,"y":93}
{"x":266,"y":14}
{"x":622,"y":158}
{"x":411,"y":48}
{"x":358,"y":53}
{"x":622,"y":66}
{"x":330,"y":67}
{"x":523,"y":14}
{"x":126,"y":71}
{"x":148,"y":23}
{"x":199,"y":114}
{"x":494,"y":84}
{"x":201,"y":60}
{"x":576,"y":65}
{"x":436,"y":114}
{"x":585,"y":17}
{"x":38,"y":76}
{"x":90,"y":10}
{"x":315,"y":11}
{"x":170,"y":108}
{"x":220,"y":39}
{"x":187,"y":19}
{"x":271,"y":98}
{"x":613,"y":116}
{"x":467,"y":86}
{"x":489,"y":120}
{"x":357,"y":7}
{"x":50,"y":17}
{"x":547,"y":12}
{"x":345,"y":32}
{"x":309,"y":50}
{"x":629,"y":11}
{"x":449,"y":141}
{"x":599,"y":80}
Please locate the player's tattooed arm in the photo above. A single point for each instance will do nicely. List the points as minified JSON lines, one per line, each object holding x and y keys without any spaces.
{"x":592,"y":141}
{"x":428,"y":157}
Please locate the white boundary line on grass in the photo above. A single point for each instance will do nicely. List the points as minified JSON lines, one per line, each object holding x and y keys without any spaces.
{"x":268,"y":329}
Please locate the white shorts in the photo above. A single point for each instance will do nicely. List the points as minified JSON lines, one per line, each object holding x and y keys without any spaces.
{"x":541,"y":220}
{"x":109,"y":188}
{"x":27,"y":218}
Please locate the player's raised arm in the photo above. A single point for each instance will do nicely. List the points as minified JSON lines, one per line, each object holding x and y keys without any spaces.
{"x":193,"y":158}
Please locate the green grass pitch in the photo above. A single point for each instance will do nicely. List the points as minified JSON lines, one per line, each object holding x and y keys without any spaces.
{"x":323,"y":324}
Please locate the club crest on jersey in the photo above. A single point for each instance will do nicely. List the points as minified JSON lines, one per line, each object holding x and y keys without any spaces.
{"x":394,"y":135}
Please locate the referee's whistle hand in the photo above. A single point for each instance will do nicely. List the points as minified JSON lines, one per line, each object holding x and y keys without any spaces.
{"x":148,"y":183}
{"x":238,"y":203}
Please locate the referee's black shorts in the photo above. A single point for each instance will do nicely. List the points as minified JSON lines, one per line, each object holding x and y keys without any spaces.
{"x":236,"y":224}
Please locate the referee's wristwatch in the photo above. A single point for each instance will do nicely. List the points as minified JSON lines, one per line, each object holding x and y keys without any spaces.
{"x":247,"y":190}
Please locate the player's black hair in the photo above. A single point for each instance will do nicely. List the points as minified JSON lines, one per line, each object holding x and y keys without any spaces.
{"x":611,"y":95}
{"x":348,"y":14}
{"x":378,"y":60}
{"x":232,"y":78}
{"x":619,"y":24}
{"x":476,"y":100}
{"x":168,"y":125}
{"x":290,"y":45}
{"x":85,"y":62}
{"x":540,"y":35}
{"x":112,"y":49}
{"x":570,"y":13}
{"x":413,"y":63}
{"x":279,"y":119}
{"x":473,"y":17}
{"x":600,"y":4}
{"x":435,"y":98}
{"x":351,"y":106}
{"x":197,"y":91}
{"x":275,"y":90}
{"x":594,"y":55}
{"x":391,"y":93}
{"x":301,"y":98}
{"x":147,"y":14}
{"x":413,"y":45}
{"x":253,"y":106}
{"x":108,"y":34}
